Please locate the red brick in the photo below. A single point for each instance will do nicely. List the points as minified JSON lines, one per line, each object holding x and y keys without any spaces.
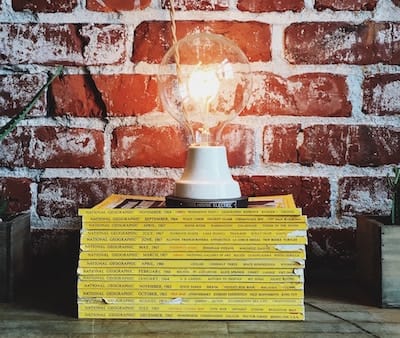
{"x":14,"y":149}
{"x":62,"y":43}
{"x":319,"y":94}
{"x":259,"y":6}
{"x":374,"y":146}
{"x":280,"y":143}
{"x":16,"y":91}
{"x":240,"y":145}
{"x":148,"y":146}
{"x":53,"y":147}
{"x":120,"y":95}
{"x":346,"y":5}
{"x":338,"y":42}
{"x":309,"y":94}
{"x":310,"y":193}
{"x":17,"y":192}
{"x":116,"y":5}
{"x":357,"y":145}
{"x":73,"y":95}
{"x":270,"y":96}
{"x":324,"y":144}
{"x":127,"y":95}
{"x":153,"y":38}
{"x":45,"y":6}
{"x":62,"y":197}
{"x":382,"y":94}
{"x":189,"y":5}
{"x":67,"y":148}
{"x":364,"y":195}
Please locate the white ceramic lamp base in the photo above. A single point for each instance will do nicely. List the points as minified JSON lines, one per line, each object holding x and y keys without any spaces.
{"x":207,"y":175}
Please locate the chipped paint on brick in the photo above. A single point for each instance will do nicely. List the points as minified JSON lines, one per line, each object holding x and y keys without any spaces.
{"x":388,"y":96}
{"x":16,"y":91}
{"x":364,"y":195}
{"x":106,"y":44}
{"x":65,"y":43}
{"x":239,"y":143}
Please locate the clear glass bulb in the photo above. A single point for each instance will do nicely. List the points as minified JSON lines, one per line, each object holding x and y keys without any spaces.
{"x":204,"y":82}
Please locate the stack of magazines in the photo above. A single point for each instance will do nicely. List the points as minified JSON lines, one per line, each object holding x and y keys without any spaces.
{"x":139,"y":259}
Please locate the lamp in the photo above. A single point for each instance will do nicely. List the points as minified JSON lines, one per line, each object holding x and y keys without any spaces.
{"x":204,"y":82}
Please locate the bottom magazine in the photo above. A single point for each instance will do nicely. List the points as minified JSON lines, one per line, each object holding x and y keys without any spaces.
{"x":191,"y":311}
{"x":120,"y":313}
{"x":193,"y":316}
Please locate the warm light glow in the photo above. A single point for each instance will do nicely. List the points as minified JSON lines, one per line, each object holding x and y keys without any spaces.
{"x":203,"y":85}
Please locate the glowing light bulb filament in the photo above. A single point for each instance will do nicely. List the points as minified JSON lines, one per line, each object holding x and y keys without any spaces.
{"x":203,"y":87}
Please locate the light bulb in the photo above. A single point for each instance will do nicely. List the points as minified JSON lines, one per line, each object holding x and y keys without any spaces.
{"x":204,"y":81}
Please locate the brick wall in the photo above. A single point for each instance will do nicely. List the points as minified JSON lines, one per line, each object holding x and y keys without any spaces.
{"x":323,"y":122}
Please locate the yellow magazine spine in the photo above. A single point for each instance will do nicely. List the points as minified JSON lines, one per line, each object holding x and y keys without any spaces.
{"x":203,"y":240}
{"x":150,"y":308}
{"x":159,"y":219}
{"x":110,"y":247}
{"x":174,"y":214}
{"x":122,"y":271}
{"x":189,"y":255}
{"x":175,"y":263}
{"x":157,"y":293}
{"x":198,"y":278}
{"x":272,"y":223}
{"x":294,"y":237}
{"x":190,"y":315}
{"x":245,"y":286}
{"x":167,"y":233}
{"x":193,"y":301}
